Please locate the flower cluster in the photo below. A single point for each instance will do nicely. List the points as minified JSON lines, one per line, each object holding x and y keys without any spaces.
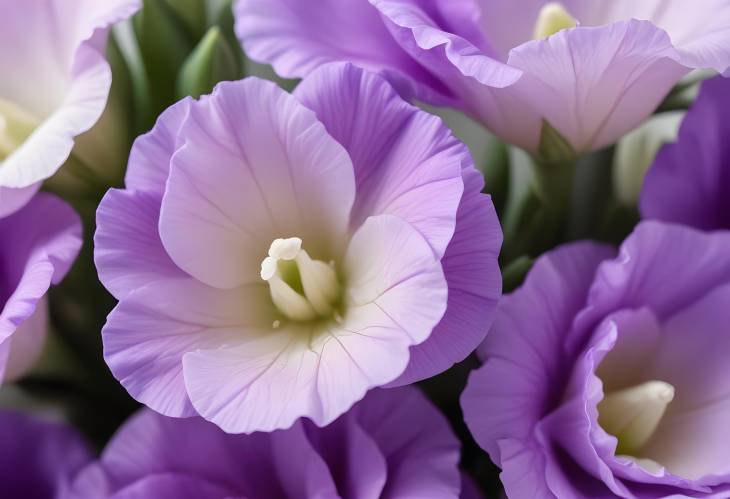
{"x":244,"y":251}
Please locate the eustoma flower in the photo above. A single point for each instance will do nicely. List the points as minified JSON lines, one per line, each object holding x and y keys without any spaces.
{"x":277,"y":256}
{"x":39,"y":244}
{"x":608,"y":377}
{"x":54,"y":86}
{"x":392,"y":444}
{"x":39,"y":458}
{"x":592,"y":69}
{"x":689,"y":180}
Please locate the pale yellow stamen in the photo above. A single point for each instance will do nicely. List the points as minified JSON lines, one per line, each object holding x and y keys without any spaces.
{"x":633,"y":414}
{"x":302,"y":289}
{"x":552,"y":18}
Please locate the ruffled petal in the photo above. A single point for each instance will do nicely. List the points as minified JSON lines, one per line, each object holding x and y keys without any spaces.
{"x":237,"y":183}
{"x":128,"y":251}
{"x":45,"y":237}
{"x":11,"y":200}
{"x":149,"y":159}
{"x":446,"y":53}
{"x":259,"y":465}
{"x":475,"y":286}
{"x":152,"y":328}
{"x":524,"y":353}
{"x":297,"y":38}
{"x":690,"y":441}
{"x":683,"y":262}
{"x":348,"y":448}
{"x":422,"y":458}
{"x":700,"y":34}
{"x":688,"y":182}
{"x":406,"y":161}
{"x":592,"y":84}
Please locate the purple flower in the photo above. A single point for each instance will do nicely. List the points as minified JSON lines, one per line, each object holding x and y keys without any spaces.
{"x":277,"y":256}
{"x":54,"y":86}
{"x":392,"y":444}
{"x":39,"y":244}
{"x":591,"y":68}
{"x":690,"y":180}
{"x":608,"y":376}
{"x":39,"y":458}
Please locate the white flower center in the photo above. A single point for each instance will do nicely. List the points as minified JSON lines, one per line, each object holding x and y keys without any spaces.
{"x":633,"y":414}
{"x":302,"y":289}
{"x":16,"y":125}
{"x":552,"y":18}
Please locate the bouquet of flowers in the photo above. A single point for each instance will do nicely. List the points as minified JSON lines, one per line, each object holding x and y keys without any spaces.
{"x":400,"y":249}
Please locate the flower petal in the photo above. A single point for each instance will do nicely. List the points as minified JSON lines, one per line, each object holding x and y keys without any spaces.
{"x":255,"y":166}
{"x":39,"y":458}
{"x":592,"y":84}
{"x":475,"y":286}
{"x":445,"y":53}
{"x":406,"y":161}
{"x":11,"y":200}
{"x":297,"y":38}
{"x":152,"y":328}
{"x":348,"y":448}
{"x":656,"y":256}
{"x":260,"y":385}
{"x":128,"y":251}
{"x":691,"y":438}
{"x":397,"y":294}
{"x":433,"y":450}
{"x":149,"y":159}
{"x":688,"y":181}
{"x":700,"y":34}
{"x":45,"y":237}
{"x":523,"y":352}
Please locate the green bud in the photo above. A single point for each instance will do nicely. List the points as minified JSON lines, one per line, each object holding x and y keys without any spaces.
{"x":99,"y":157}
{"x":212,"y":61}
{"x":192,"y":13}
{"x":164,"y":43}
{"x":553,"y":147}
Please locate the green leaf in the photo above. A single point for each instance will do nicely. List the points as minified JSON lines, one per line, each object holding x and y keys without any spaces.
{"x":212,"y":61}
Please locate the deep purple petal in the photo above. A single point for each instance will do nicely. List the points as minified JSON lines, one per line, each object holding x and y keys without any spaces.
{"x":524,"y":356}
{"x":689,"y":180}
{"x":39,"y":458}
{"x":42,"y":241}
